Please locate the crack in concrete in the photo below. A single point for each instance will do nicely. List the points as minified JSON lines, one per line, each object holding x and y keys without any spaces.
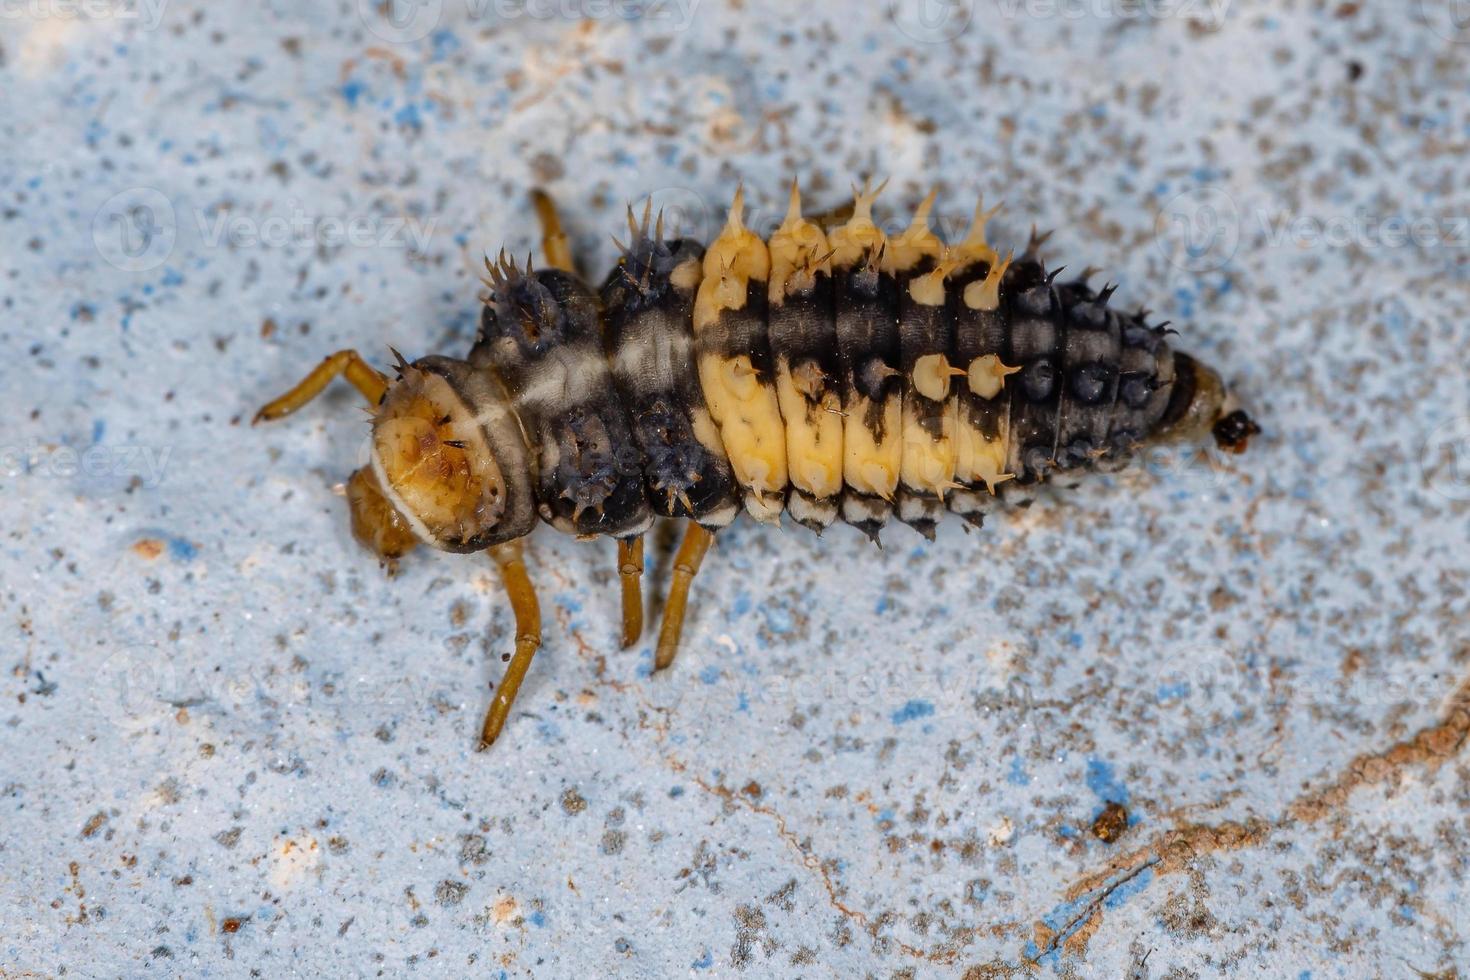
{"x":1172,"y":850}
{"x":1168,"y":853}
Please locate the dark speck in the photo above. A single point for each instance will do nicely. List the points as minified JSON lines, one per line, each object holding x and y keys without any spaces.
{"x":450,"y":892}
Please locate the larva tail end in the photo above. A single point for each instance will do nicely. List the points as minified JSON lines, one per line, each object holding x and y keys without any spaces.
{"x":1233,"y":432}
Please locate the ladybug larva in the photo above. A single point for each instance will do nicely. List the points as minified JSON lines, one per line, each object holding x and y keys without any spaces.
{"x":829,"y":372}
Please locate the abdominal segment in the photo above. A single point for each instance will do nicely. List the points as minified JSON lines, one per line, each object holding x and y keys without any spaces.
{"x":649,"y":300}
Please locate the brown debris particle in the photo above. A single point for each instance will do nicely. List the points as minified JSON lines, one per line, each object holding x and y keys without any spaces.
{"x":505,"y":910}
{"x":148,"y":548}
{"x":94,"y":824}
{"x":1110,"y":823}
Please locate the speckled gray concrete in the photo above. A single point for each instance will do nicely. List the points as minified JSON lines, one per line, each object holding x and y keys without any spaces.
{"x":228,"y":742}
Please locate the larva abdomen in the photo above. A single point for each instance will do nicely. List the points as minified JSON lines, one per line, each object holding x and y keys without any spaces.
{"x":933,"y":376}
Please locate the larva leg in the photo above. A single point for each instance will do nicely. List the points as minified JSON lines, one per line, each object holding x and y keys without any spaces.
{"x":345,"y":362}
{"x":686,"y":565}
{"x":508,"y":557}
{"x":630,"y":570}
{"x":553,"y":239}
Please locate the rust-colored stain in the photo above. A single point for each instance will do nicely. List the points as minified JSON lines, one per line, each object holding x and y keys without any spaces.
{"x":149,"y":548}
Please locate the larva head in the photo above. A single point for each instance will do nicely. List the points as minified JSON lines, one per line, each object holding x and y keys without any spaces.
{"x":1199,"y":405}
{"x":448,"y":466}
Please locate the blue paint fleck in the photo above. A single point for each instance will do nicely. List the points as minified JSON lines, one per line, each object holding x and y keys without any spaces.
{"x":778,"y":619}
{"x":704,"y":962}
{"x":352,"y":90}
{"x":1017,"y":776}
{"x":409,"y":116}
{"x":1129,"y":888}
{"x":445,"y":44}
{"x":1103,"y":781}
{"x":538,"y":918}
{"x":181,"y":550}
{"x":710,"y":675}
{"x":911,"y":711}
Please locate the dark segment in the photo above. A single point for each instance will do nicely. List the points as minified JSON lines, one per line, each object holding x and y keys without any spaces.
{"x":650,"y":343}
{"x":1145,"y":383}
{"x":1036,"y":338}
{"x":922,"y":331}
{"x":541,"y":334}
{"x":1089,"y":363}
{"x":865,"y":304}
{"x":801,"y":332}
{"x":977,"y":333}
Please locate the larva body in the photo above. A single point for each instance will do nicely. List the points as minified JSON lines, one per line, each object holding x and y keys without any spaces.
{"x":832,"y":374}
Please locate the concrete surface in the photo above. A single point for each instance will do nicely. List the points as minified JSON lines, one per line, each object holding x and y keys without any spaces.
{"x":229,"y":744}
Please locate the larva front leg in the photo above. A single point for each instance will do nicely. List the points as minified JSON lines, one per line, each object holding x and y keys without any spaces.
{"x":348,"y":363}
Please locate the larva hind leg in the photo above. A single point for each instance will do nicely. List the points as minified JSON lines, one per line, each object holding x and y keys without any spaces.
{"x":348,"y":363}
{"x":554,"y":243}
{"x":686,"y":565}
{"x":630,"y":572}
{"x":510,"y":560}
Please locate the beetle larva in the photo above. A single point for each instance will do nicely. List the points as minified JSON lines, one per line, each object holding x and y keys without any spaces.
{"x":825,"y":373}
